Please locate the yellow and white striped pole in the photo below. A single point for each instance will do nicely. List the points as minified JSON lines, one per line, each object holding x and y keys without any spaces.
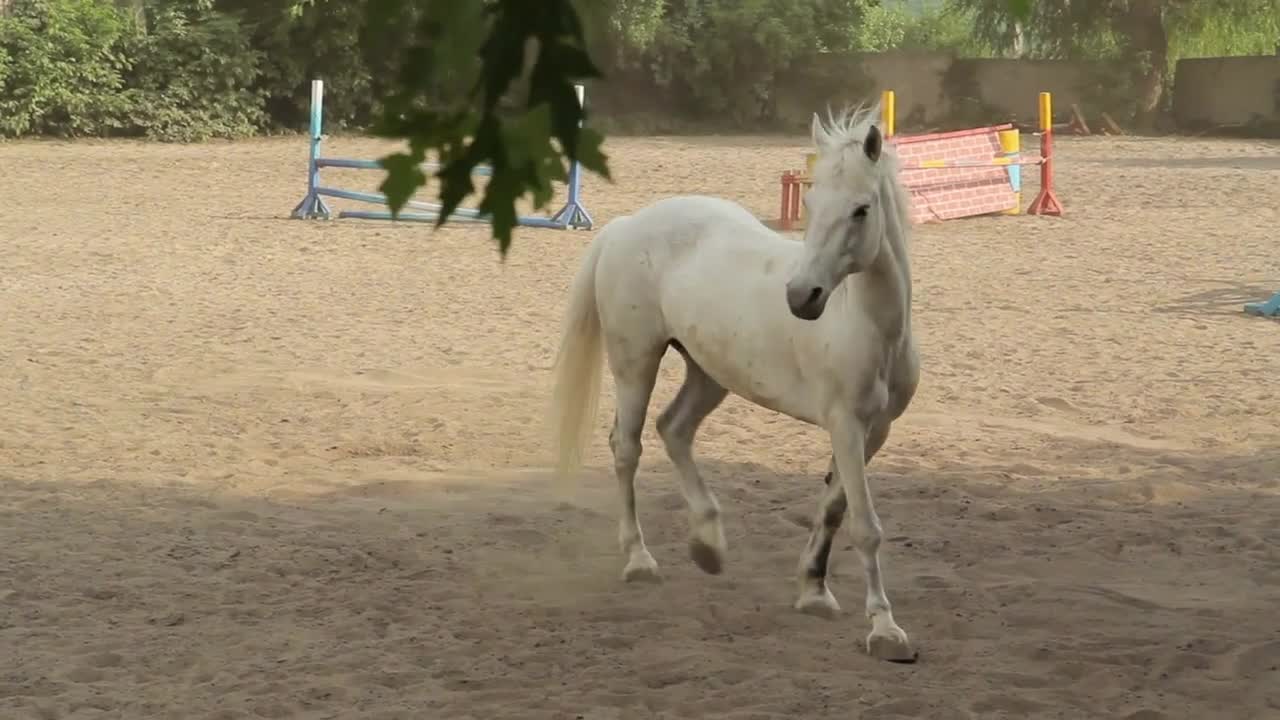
{"x":888,"y":112}
{"x":1011,"y":144}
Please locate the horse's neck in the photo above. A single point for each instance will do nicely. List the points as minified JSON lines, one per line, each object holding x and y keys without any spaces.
{"x":883,"y":291}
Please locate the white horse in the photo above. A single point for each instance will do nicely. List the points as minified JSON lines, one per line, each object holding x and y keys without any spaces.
{"x":704,"y":276}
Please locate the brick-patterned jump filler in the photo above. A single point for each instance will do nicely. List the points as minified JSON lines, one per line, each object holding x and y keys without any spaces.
{"x":955,"y":174}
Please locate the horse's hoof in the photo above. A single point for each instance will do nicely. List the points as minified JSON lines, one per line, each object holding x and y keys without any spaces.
{"x":893,"y":648}
{"x":644,"y":570}
{"x":820,"y":604}
{"x":706,"y":557}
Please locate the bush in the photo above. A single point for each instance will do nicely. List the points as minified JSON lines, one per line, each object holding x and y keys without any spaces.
{"x":61,"y":70}
{"x":331,"y":41}
{"x":192,"y":76}
{"x":178,"y":71}
{"x":723,"y":57}
{"x":896,"y":26}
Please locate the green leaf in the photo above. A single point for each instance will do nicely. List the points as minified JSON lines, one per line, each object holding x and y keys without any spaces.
{"x":530,"y":154}
{"x":453,"y":36}
{"x":404,"y":177}
{"x":499,"y":204}
{"x":590,"y":154}
{"x":455,"y":175}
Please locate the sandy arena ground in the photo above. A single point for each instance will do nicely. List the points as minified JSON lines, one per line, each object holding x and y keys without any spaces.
{"x":255,"y":467}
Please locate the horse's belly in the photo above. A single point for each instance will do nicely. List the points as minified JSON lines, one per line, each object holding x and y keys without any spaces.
{"x":762,"y":383}
{"x":752,"y":359}
{"x":788,"y":402}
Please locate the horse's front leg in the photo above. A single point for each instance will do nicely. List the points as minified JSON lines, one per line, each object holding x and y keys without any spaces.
{"x":815,"y":597}
{"x":849,"y":439}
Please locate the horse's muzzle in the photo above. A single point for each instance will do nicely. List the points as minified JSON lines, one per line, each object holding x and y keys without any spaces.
{"x":806,"y":303}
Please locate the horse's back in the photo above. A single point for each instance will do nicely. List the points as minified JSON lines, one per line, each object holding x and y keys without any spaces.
{"x":670,"y":232}
{"x":676,"y":241}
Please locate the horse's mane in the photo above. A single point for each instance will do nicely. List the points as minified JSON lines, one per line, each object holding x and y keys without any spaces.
{"x":843,"y":134}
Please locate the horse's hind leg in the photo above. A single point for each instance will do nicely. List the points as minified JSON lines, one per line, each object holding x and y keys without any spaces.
{"x":634,"y":374}
{"x":677,"y":425}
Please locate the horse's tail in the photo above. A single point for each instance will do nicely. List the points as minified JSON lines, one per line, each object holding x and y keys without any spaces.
{"x":576,"y":396}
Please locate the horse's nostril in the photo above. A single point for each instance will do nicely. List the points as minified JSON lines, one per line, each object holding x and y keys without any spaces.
{"x":813,"y":295}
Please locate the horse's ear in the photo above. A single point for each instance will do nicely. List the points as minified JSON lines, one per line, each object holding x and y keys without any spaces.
{"x":819,"y":133}
{"x":873,"y":144}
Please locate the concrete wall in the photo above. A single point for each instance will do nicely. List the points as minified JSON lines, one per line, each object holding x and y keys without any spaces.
{"x":936,"y":91}
{"x":850,"y":79}
{"x":1211,"y":92}
{"x":1012,"y":87}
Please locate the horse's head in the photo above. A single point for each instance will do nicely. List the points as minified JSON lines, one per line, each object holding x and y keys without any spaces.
{"x":846,"y":218}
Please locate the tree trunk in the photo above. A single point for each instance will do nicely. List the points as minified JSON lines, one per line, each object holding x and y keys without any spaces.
{"x":137,"y":8}
{"x":1144,"y":25}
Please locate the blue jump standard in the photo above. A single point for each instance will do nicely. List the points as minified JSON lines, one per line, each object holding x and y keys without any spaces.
{"x":572,"y":215}
{"x":1270,"y":308}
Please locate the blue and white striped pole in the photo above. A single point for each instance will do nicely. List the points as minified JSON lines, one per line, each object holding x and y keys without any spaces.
{"x":573,"y":214}
{"x":313,"y":205}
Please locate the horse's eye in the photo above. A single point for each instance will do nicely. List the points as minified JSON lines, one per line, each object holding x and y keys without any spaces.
{"x":860,"y":212}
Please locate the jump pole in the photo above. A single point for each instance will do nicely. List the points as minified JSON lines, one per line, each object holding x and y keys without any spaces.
{"x":573,"y":215}
{"x":1046,"y":202}
{"x":888,"y":113}
{"x":313,"y":205}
